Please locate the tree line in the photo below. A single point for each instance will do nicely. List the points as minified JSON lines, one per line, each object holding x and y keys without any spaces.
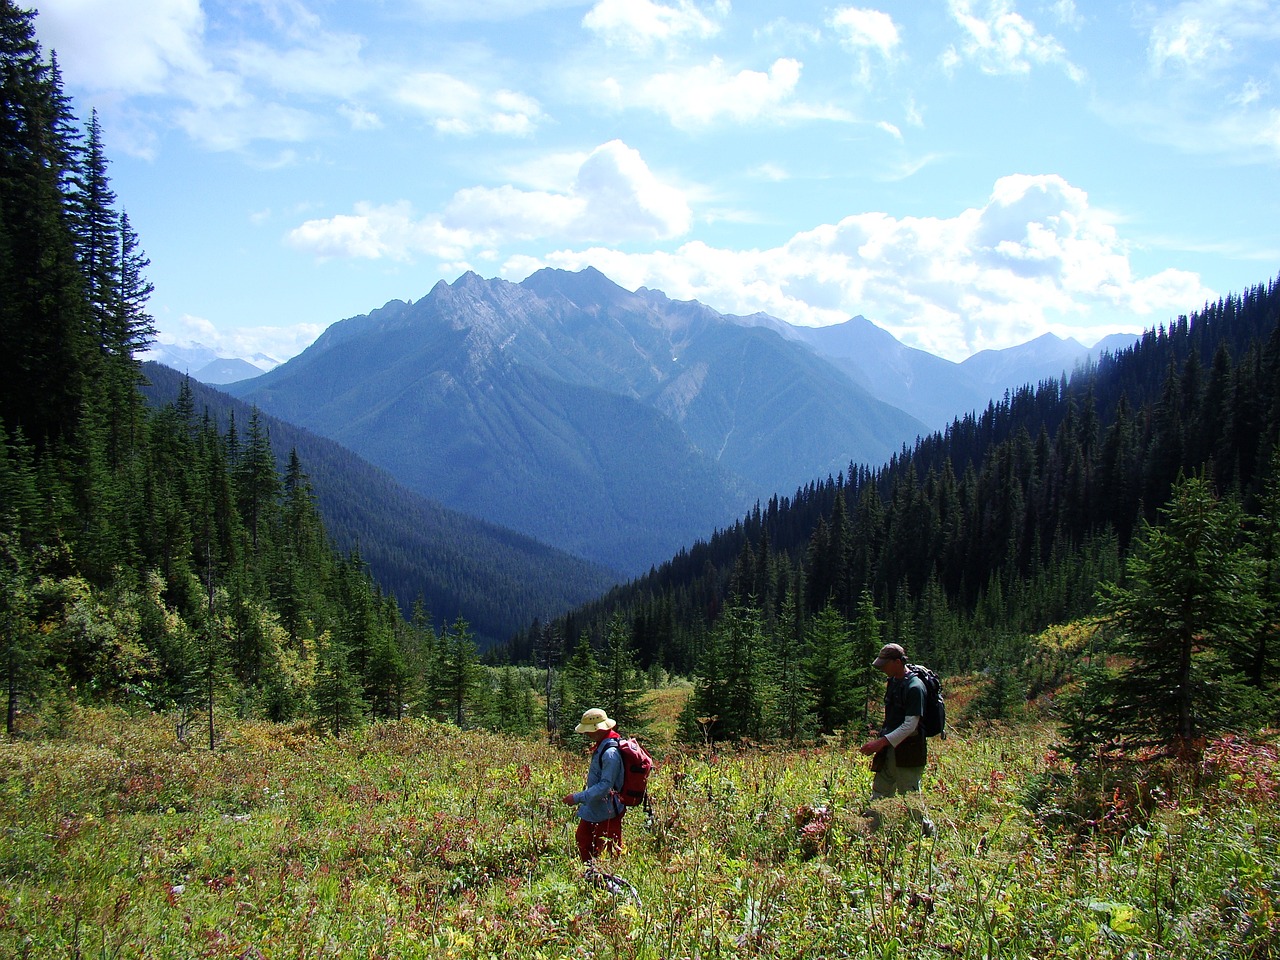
{"x":161,"y":558}
{"x":967,"y":543}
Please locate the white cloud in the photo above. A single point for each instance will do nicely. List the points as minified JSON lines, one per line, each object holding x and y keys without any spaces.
{"x":237,"y":121}
{"x":328,"y":65}
{"x":641,"y":24}
{"x":1066,"y":13}
{"x":1002,"y":41}
{"x":359,"y":117}
{"x":125,"y":46}
{"x":1036,"y":256}
{"x":1204,"y":36}
{"x":1186,"y":42}
{"x":279,"y":343}
{"x":471,"y":10}
{"x":1211,"y":65}
{"x":622,"y":198}
{"x":771,"y":172}
{"x":458,"y":107}
{"x":267,"y":72}
{"x":614,"y":197}
{"x":700,"y":96}
{"x":377,"y":232}
{"x":866,"y":30}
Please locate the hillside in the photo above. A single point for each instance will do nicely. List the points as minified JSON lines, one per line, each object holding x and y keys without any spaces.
{"x":1007,"y":520}
{"x":459,"y":566}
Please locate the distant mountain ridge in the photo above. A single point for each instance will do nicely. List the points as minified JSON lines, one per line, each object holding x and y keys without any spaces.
{"x":461,"y":566}
{"x":936,"y":390}
{"x":208,"y":365}
{"x":618,"y":426}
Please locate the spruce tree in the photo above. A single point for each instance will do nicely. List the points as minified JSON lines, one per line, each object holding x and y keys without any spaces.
{"x":830,"y":669}
{"x":339,"y":705}
{"x":579,"y":687}
{"x":45,"y":345}
{"x":621,"y":684}
{"x":459,"y":672}
{"x":1184,"y":621}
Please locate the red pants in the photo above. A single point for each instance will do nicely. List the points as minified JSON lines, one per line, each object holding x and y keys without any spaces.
{"x":595,"y":838}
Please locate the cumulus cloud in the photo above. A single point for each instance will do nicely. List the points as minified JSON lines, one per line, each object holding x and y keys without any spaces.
{"x":641,"y":24}
{"x":378,"y":232}
{"x":1001,"y":41}
{"x":613,"y":197}
{"x":1035,"y":256}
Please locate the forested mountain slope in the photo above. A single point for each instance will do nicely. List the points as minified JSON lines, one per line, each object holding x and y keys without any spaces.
{"x":1001,"y":523}
{"x":456,"y":565}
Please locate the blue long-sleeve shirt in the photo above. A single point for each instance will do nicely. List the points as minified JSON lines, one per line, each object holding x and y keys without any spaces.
{"x":598,"y":802}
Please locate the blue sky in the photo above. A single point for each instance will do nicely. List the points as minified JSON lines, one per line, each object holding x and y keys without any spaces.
{"x":965,"y":173}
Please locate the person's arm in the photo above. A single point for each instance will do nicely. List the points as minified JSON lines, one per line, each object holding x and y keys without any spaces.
{"x":900,"y":733}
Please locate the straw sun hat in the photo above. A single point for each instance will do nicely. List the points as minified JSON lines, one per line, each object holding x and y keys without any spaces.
{"x":593,"y":720}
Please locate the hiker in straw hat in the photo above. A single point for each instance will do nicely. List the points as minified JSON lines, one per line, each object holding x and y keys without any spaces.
{"x":600,"y":809}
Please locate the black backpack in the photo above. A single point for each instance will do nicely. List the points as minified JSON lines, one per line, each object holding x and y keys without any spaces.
{"x":934,"y":720}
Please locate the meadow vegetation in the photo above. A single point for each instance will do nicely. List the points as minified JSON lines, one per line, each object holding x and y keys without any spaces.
{"x":412,"y":838}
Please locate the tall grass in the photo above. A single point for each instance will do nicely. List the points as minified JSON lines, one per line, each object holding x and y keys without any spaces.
{"x":413,"y":839}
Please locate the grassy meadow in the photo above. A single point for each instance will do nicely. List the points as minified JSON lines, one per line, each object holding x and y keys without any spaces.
{"x":413,"y":839}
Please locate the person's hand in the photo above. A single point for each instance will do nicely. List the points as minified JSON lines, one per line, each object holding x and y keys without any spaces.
{"x":569,"y":799}
{"x":872,"y":747}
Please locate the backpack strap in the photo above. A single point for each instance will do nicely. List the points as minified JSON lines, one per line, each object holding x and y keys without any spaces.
{"x":616,"y":791}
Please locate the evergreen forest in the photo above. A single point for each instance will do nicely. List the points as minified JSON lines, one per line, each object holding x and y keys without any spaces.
{"x":170,"y":560}
{"x":163,"y":560}
{"x":967,"y":547}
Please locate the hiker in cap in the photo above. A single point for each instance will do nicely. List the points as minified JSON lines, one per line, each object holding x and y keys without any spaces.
{"x":900,"y":751}
{"x":600,"y":809}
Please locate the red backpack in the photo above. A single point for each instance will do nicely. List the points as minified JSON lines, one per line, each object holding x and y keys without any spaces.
{"x":636,"y":767}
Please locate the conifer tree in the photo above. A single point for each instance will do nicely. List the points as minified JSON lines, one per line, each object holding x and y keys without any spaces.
{"x":337,"y":688}
{"x":20,"y":649}
{"x":621,"y":684}
{"x":579,"y":687}
{"x":45,"y":345}
{"x":1185,"y":621}
{"x":830,"y":670}
{"x":459,"y":671}
{"x":548,"y":650}
{"x":864,"y":646}
{"x":794,"y":713}
{"x":96,"y":230}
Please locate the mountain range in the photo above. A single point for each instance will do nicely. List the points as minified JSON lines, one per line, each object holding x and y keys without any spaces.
{"x":618,"y":426}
